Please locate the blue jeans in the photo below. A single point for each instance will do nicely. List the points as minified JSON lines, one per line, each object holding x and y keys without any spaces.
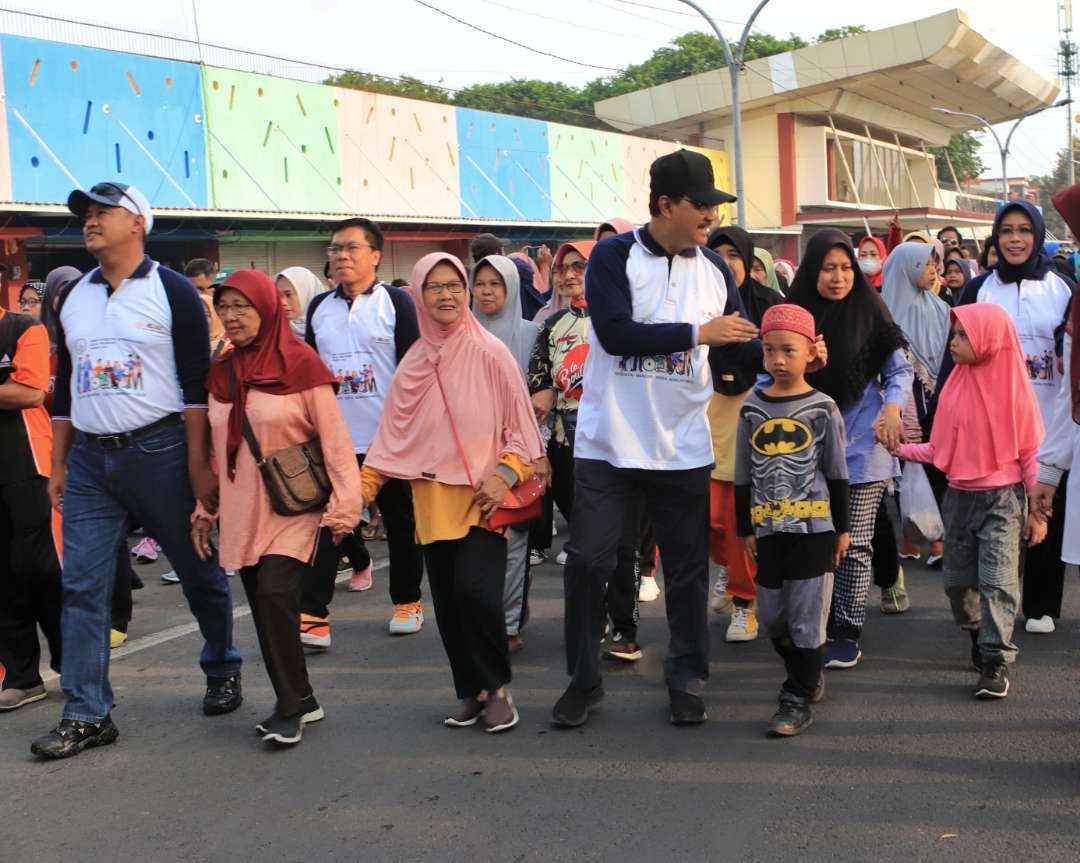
{"x":149,"y":480}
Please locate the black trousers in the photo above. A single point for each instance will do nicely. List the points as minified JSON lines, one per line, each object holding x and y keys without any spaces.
{"x":1042,"y":571}
{"x":30,"y":586}
{"x":606,"y":501}
{"x":121,"y":598}
{"x":466,"y":577}
{"x":560,"y":493}
{"x":273,"y":592}
{"x":406,"y":561}
{"x":886,"y":557}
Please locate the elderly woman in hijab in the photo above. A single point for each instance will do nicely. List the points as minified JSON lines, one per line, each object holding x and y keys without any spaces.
{"x":1037,"y":297}
{"x":735,"y":589}
{"x":274,"y":389}
{"x":459,"y":426}
{"x":495,"y":289}
{"x":297,"y":287}
{"x":869,"y":378}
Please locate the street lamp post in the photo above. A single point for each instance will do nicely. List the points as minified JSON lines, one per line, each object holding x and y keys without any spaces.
{"x":1003,"y":149}
{"x":733,"y":64}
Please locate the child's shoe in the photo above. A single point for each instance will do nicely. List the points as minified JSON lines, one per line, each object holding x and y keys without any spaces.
{"x":993,"y":682}
{"x":894,"y":600}
{"x":792,"y":716}
{"x":842,"y":653}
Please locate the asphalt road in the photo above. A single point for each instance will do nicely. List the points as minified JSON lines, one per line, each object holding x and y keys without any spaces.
{"x":901,"y":765}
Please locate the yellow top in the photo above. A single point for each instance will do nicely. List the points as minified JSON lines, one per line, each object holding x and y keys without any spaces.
{"x":442,"y":511}
{"x":723,"y":422}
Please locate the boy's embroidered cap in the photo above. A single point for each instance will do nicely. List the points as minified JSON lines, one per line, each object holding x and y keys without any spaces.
{"x":789,"y":317}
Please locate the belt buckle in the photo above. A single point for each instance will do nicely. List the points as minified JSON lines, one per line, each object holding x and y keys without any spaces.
{"x":112,"y":441}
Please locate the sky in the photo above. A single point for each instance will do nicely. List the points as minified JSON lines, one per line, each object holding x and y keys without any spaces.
{"x":396,"y":37}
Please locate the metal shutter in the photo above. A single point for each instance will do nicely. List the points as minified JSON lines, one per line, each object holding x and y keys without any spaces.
{"x":244,"y":256}
{"x":399,"y":256}
{"x":307,"y":253}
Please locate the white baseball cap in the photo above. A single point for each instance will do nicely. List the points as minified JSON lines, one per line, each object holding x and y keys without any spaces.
{"x":111,"y":194}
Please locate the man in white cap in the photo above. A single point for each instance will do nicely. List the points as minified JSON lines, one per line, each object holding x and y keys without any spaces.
{"x":130,"y":436}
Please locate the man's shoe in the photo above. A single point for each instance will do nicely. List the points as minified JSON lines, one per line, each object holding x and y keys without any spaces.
{"x":361,"y":580}
{"x":12,"y":699}
{"x":842,"y":653}
{"x":993,"y":682}
{"x":408,"y":618}
{"x":743,"y":626}
{"x":537,"y":557}
{"x":624,"y":651}
{"x":572,"y":709}
{"x":315,"y":631}
{"x":649,"y":589}
{"x":170,"y":577}
{"x":686,"y":709}
{"x":116,"y":638}
{"x":223,"y":695}
{"x":285,"y":730}
{"x":792,"y":716}
{"x":72,"y":736}
{"x":466,"y":714}
{"x":500,"y":714}
{"x":894,"y":600}
{"x":311,"y":712}
{"x":1040,"y":625}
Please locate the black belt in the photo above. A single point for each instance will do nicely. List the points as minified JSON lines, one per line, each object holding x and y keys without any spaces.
{"x":124,"y":439}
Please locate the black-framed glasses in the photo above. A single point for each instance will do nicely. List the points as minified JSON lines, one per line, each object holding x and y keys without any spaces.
{"x":350,"y":249}
{"x":439,"y":287}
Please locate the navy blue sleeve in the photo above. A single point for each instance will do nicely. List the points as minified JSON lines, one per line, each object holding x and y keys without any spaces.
{"x":190,"y":335}
{"x":607,"y":291}
{"x":309,"y":330}
{"x":406,"y":329}
{"x":61,"y":403}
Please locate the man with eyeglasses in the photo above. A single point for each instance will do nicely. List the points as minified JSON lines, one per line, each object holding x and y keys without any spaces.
{"x":362,"y":329}
{"x":950,"y":237}
{"x":135,"y":442}
{"x":658,"y":301}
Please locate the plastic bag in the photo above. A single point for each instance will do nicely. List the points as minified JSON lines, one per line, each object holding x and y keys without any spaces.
{"x":918,"y":508}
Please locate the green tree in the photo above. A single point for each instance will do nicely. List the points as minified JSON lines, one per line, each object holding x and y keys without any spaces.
{"x":542,"y":100}
{"x":963,"y":150}
{"x":406,"y":85}
{"x":840,"y":33}
{"x":1053,"y":183}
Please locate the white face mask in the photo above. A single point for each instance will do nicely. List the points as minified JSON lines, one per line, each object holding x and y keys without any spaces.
{"x":870,"y":266}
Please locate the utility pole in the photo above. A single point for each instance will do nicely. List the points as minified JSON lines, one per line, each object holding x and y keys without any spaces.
{"x":1067,"y":72}
{"x":734,"y":64}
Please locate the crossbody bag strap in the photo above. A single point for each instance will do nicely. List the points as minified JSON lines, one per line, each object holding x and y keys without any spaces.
{"x":249,"y":434}
{"x":453,"y":430}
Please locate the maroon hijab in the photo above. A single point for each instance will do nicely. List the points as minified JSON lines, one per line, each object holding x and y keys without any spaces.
{"x":275,"y":362}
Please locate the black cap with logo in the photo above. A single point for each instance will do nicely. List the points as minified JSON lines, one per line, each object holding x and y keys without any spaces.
{"x":686,"y":174}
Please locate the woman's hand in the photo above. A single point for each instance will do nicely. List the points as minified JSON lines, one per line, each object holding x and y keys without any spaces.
{"x":200,"y":537}
{"x":821,"y":355}
{"x":491,"y":493}
{"x":889,"y":428}
{"x":1034,"y":530}
{"x":1041,"y":501}
{"x":542,"y":402}
{"x":542,"y":470}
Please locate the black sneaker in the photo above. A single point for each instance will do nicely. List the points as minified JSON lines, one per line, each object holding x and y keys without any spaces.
{"x":572,"y":709}
{"x":72,"y":736}
{"x":223,"y":695}
{"x":686,"y":709}
{"x":993,"y":682}
{"x":976,"y":657}
{"x":311,"y":712}
{"x":285,"y":730}
{"x":792,"y":716}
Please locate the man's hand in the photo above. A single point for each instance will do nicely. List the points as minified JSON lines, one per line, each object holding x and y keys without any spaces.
{"x":1034,"y":530}
{"x":727,"y":330}
{"x":491,"y":493}
{"x":821,"y":355}
{"x":1041,"y":501}
{"x":204,"y":485}
{"x":751,"y":545}
{"x":56,"y":486}
{"x":843,"y":542}
{"x":542,"y":402}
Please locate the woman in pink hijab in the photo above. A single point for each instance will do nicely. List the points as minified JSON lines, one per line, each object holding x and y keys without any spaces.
{"x":459,"y":426}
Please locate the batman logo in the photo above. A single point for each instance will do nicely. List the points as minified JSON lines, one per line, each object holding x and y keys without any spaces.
{"x":781,"y":436}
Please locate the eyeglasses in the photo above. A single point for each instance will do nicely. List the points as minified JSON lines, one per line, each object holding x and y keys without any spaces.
{"x":950,"y":242}
{"x":577,"y":268}
{"x":700,"y":205}
{"x":349,"y":249}
{"x":439,"y":287}
{"x":27,"y":304}
{"x":233,"y":308}
{"x":1020,"y":230}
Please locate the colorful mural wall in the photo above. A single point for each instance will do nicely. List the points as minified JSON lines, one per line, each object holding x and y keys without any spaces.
{"x":207,"y":138}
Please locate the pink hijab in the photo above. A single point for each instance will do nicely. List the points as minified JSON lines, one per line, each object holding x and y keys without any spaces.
{"x":620,"y":226}
{"x":987,"y":416}
{"x":484,"y":388}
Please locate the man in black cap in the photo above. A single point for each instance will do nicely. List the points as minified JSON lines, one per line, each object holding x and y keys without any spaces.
{"x":130,"y":436}
{"x":658,"y":300}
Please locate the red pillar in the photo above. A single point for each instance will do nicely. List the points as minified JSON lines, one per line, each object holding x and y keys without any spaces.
{"x":789,"y":204}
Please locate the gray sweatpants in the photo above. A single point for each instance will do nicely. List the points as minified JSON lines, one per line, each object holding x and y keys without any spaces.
{"x":983,"y":530}
{"x":517,"y":555}
{"x":799,"y":609}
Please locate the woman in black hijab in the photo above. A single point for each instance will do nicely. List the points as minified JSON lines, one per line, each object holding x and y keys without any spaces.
{"x":869,"y":377}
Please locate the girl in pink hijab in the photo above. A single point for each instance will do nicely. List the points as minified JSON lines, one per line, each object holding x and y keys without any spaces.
{"x":986,"y":434}
{"x":459,"y":426}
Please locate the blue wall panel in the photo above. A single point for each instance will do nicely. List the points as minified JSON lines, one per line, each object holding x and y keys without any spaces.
{"x":105,"y":116}
{"x":499,"y":153}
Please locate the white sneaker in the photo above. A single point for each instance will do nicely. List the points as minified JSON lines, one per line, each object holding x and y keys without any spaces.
{"x":721,"y":599}
{"x":1041,"y":625}
{"x":561,"y":558}
{"x":170,"y":577}
{"x":537,"y":558}
{"x":649,"y":589}
{"x":744,"y":625}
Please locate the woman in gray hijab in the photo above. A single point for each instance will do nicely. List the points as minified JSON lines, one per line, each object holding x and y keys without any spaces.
{"x":496,"y":288}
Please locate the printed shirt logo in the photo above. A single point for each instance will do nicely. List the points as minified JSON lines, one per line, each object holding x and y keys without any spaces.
{"x":359,"y":381}
{"x":1040,"y":367}
{"x":105,"y":374}
{"x":783,"y":436}
{"x":670,"y":366}
{"x":568,"y":378}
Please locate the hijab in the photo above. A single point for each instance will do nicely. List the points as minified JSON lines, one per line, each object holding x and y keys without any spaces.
{"x":507,"y":324}
{"x":532,"y":299}
{"x":557,"y":302}
{"x":770,"y":269}
{"x":916,"y":237}
{"x":921,"y":315}
{"x":1067,"y":203}
{"x":619,"y":226}
{"x":756,"y":298}
{"x":275,"y":362}
{"x":987,"y":415}
{"x":54,"y":283}
{"x":307,"y":285}
{"x":786,"y":269}
{"x":859,"y":331}
{"x":485,"y":395}
{"x":1038,"y":264}
{"x":875,"y":278}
